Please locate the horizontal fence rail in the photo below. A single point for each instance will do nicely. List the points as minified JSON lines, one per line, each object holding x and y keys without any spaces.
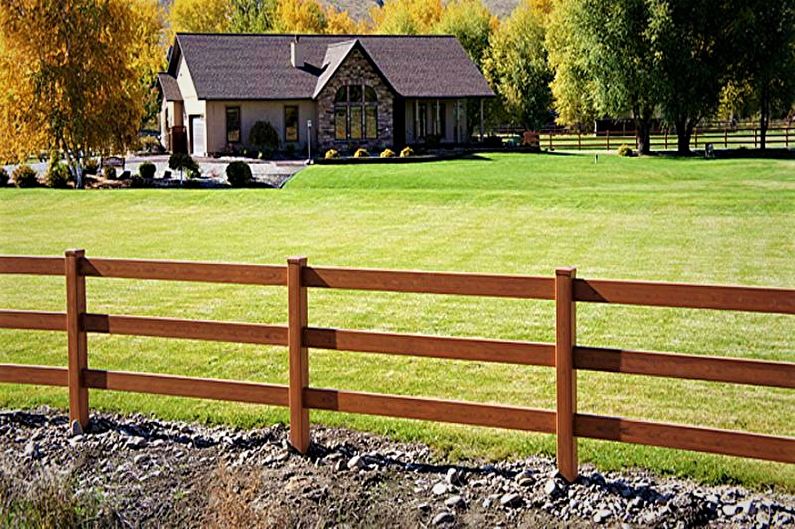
{"x":565,"y":355}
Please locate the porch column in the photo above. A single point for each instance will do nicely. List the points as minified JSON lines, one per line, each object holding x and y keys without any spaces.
{"x":416,"y":119}
{"x":481,"y":120}
{"x":437,"y":125}
{"x":457,"y":137}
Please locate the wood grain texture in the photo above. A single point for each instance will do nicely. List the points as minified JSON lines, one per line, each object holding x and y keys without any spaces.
{"x":219,"y":331}
{"x":473,"y":349}
{"x":430,"y":282}
{"x":566,"y":376}
{"x":752,"y":299}
{"x":756,"y":446}
{"x":31,"y":265}
{"x":510,"y":417}
{"x":38,"y":375}
{"x":179,"y":386}
{"x":674,"y":365}
{"x":33,"y":320}
{"x":77,"y":341}
{"x":186,"y":271}
{"x":299,"y":355}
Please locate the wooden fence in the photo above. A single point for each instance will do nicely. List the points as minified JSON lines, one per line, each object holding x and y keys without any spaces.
{"x":565,"y":355}
{"x":720,"y":138}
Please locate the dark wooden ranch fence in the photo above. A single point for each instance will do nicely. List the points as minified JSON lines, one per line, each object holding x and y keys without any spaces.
{"x":565,"y":355}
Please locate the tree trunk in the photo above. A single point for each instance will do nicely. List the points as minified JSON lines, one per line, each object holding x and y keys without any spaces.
{"x":684,"y":131}
{"x":642,"y":135}
{"x":764,"y":116}
{"x":73,"y":162}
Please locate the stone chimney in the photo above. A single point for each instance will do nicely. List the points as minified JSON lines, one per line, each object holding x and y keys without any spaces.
{"x":297,"y":53}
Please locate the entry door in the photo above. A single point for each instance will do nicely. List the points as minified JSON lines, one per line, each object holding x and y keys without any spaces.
{"x":197,"y":135}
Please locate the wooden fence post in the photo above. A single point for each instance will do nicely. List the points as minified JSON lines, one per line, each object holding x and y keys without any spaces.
{"x":299,"y":357}
{"x":566,"y":331}
{"x":77,"y":343}
{"x":608,"y":139}
{"x":666,"y":139}
{"x":725,"y":138}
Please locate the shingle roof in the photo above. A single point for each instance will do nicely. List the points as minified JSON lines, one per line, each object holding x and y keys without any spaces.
{"x":231,"y":66}
{"x":169,"y":87}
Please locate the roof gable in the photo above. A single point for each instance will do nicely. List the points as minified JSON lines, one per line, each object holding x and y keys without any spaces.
{"x":231,"y":66}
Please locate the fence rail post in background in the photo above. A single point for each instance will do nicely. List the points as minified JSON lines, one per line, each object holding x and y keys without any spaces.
{"x":77,"y":343}
{"x":608,"y":139}
{"x":725,"y":138}
{"x":566,"y":337}
{"x":299,"y":357}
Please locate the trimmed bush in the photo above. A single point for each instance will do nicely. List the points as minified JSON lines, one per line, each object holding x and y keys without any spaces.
{"x":25,"y":176}
{"x":624,"y":150}
{"x":109,"y":173}
{"x":361,"y":152}
{"x":406,"y":152}
{"x":387,"y":153}
{"x":147,"y":170}
{"x":331,"y":154}
{"x":58,"y":176}
{"x":182,"y":162}
{"x":264,"y":138}
{"x":238,"y":174}
{"x":3,"y":177}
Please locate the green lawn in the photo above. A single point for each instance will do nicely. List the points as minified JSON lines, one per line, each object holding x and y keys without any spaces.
{"x":715,"y":221}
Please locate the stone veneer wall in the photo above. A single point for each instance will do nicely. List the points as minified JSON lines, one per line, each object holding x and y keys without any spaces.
{"x":355,"y":70}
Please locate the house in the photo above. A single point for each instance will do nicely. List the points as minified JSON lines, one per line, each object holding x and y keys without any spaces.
{"x":338,"y":91}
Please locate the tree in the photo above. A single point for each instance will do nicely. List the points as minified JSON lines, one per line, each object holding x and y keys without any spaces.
{"x":766,"y":42}
{"x":516,"y":67}
{"x":200,"y":16}
{"x":80,"y":92}
{"x":339,"y":22}
{"x":251,"y":16}
{"x":691,"y":56}
{"x":610,"y":43}
{"x":299,"y":16}
{"x":406,"y":17}
{"x":572,"y":92}
{"x":472,"y":23}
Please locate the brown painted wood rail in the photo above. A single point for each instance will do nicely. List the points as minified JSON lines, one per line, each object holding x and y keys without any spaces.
{"x":565,"y":355}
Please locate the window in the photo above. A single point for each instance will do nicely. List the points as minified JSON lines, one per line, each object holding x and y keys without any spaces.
{"x":232,"y":124}
{"x":291,"y":123}
{"x":355,"y":113}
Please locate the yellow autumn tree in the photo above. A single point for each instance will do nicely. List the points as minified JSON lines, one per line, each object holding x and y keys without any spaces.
{"x":339,"y":22}
{"x":299,"y":16}
{"x":406,"y":17}
{"x":81,"y":92}
{"x":200,"y":16}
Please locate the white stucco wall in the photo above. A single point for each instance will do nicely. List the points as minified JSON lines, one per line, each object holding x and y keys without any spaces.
{"x":253,"y":111}
{"x":192,"y":105}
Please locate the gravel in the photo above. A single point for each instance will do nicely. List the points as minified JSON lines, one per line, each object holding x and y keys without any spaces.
{"x":151,"y":473}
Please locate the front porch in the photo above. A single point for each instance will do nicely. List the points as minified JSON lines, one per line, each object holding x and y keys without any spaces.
{"x":438,"y":121}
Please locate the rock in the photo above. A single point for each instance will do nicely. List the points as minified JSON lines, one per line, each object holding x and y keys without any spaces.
{"x":454,"y":476}
{"x":136,"y":443}
{"x":455,"y":502}
{"x":747,"y":507}
{"x":551,"y":488}
{"x":602,"y":515}
{"x":356,"y":463}
{"x":729,"y":510}
{"x":424,"y":507}
{"x":439,"y":489}
{"x":526,"y":482}
{"x":340,"y":465}
{"x":140,"y":458}
{"x":443,"y":517}
{"x":511,"y":500}
{"x":32,"y":451}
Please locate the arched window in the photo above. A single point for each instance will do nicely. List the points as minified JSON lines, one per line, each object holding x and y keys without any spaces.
{"x":356,"y":113}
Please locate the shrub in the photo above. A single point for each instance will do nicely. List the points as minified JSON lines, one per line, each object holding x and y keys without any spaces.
{"x":58,"y":175}
{"x":624,"y":150}
{"x":139,"y":181}
{"x":331,"y":154}
{"x":238,"y":174}
{"x":264,"y":138}
{"x":25,"y":176}
{"x":406,"y":152}
{"x":387,"y":153}
{"x":109,"y":172}
{"x":180,"y":161}
{"x":90,"y":166}
{"x":3,"y":177}
{"x":361,"y":152}
{"x":147,"y":170}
